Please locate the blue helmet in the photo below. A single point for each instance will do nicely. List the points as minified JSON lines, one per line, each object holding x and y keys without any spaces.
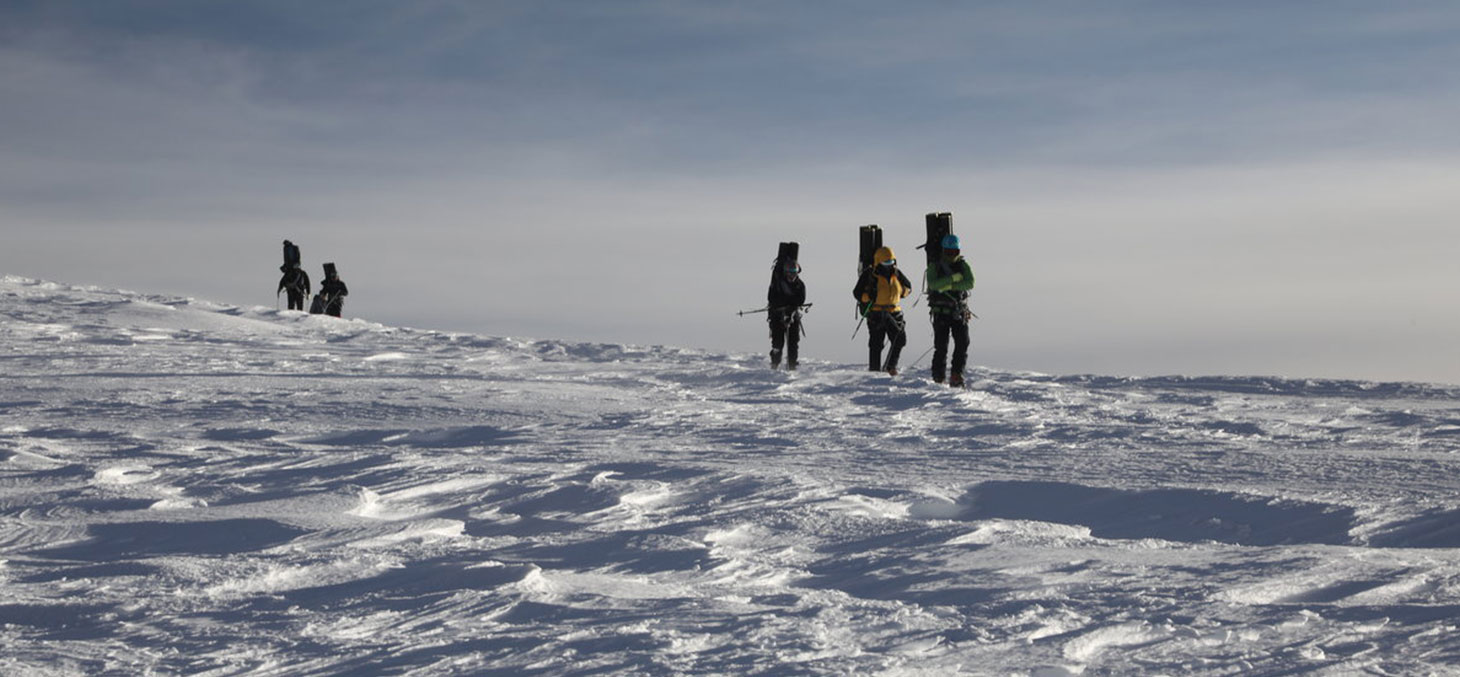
{"x":950,"y":241}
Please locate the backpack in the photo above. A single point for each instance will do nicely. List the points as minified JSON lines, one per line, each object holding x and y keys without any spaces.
{"x":291,"y":255}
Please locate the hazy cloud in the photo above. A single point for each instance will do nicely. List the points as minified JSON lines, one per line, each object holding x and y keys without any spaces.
{"x":1145,"y":186}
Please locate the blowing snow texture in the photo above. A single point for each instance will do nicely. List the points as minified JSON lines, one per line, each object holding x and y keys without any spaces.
{"x":188,"y":487}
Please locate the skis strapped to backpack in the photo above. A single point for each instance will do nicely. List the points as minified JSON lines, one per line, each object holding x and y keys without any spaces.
{"x":870,"y":242}
{"x":789,"y":252}
{"x":291,"y":255}
{"x":938,"y":224}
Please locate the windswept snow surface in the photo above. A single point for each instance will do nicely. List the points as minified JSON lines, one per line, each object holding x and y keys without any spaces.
{"x":194,"y":488}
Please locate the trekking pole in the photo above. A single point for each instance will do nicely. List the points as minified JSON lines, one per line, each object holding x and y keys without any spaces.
{"x":743,"y":313}
{"x":863,"y":318}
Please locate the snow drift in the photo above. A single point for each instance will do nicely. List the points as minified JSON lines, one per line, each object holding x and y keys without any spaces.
{"x":190,"y":487}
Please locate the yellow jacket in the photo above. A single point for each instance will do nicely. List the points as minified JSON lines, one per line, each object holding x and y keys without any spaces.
{"x":883,"y":286}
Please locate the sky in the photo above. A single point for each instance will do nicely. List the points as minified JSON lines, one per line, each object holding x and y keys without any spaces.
{"x":1142,"y":188}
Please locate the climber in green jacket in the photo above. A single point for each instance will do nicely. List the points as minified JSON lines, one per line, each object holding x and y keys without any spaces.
{"x":949,"y":280}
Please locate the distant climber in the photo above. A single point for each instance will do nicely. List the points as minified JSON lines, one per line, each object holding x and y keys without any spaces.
{"x":784,"y":301}
{"x":296,"y":282}
{"x":332,"y":293}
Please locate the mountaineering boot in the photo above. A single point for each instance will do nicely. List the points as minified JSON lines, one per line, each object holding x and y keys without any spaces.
{"x":791,"y":365}
{"x":775,"y":359}
{"x":937,"y":377}
{"x":892,"y":370}
{"x":956,"y":380}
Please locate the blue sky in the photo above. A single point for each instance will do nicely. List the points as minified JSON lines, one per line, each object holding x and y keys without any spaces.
{"x":1143,"y":187}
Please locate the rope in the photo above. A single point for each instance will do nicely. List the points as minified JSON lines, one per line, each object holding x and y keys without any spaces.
{"x":915,"y":363}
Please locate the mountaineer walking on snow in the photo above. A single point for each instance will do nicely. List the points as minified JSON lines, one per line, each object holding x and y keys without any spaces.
{"x":295,"y":279}
{"x":949,"y":280}
{"x":880,"y":290}
{"x":784,"y":300}
{"x":332,"y":293}
{"x":296,"y":282}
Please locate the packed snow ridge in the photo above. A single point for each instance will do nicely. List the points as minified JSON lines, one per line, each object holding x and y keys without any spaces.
{"x":195,"y":488}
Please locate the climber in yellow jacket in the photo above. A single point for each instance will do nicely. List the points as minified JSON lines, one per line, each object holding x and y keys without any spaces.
{"x":880,"y":291}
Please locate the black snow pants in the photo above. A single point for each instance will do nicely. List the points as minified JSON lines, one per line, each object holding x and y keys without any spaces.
{"x":944,"y":326}
{"x":888,"y":326}
{"x":785,"y":335}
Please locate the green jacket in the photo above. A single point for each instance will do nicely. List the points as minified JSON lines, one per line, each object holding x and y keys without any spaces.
{"x":948,"y":285}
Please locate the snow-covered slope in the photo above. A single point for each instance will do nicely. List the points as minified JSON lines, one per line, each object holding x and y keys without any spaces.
{"x":194,"y":488}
